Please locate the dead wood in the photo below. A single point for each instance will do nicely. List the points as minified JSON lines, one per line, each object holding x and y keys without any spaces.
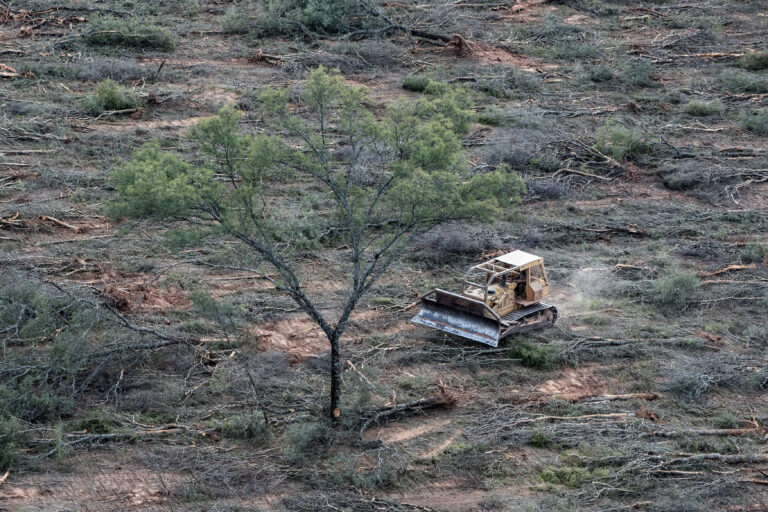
{"x":685,"y":458}
{"x":4,"y":477}
{"x":441,"y":399}
{"x":566,"y":170}
{"x":123,"y":112}
{"x":608,"y":416}
{"x":709,"y":432}
{"x":57,"y":222}
{"x":727,"y":269}
{"x":628,"y":396}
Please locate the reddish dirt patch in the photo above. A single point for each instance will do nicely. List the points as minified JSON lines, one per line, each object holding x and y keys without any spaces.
{"x":580,"y":19}
{"x":101,"y":485}
{"x":131,"y":292}
{"x":400,"y":432}
{"x":490,"y":55}
{"x":526,"y":11}
{"x":299,"y":337}
{"x":223,"y":286}
{"x":573,"y":385}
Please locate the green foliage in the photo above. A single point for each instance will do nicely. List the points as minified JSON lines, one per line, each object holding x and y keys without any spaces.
{"x":305,"y":440}
{"x":109,"y":95}
{"x":534,"y":355}
{"x":129,"y":33}
{"x":703,"y":108}
{"x":571,"y":476}
{"x":674,"y":292}
{"x":540,"y":440}
{"x":227,"y":315}
{"x":250,"y":427}
{"x":426,"y":182}
{"x":754,"y":61}
{"x":726,"y":420}
{"x":756,"y":121}
{"x":317,"y":17}
{"x":755,"y":252}
{"x":620,"y":142}
{"x":424,"y":84}
{"x":179,"y":238}
{"x":95,"y":421}
{"x":236,"y":21}
{"x":637,"y":73}
{"x":10,"y":429}
{"x":601,"y":73}
{"x":738,"y":81}
{"x":157,"y":183}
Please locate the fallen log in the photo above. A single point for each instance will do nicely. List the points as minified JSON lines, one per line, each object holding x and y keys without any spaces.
{"x":727,"y":269}
{"x":60,"y":223}
{"x":441,"y":399}
{"x":754,"y":428}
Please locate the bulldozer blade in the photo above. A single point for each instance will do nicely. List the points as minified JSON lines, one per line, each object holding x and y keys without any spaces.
{"x":461,"y":323}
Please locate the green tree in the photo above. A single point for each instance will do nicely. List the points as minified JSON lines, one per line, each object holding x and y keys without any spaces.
{"x":386,"y":180}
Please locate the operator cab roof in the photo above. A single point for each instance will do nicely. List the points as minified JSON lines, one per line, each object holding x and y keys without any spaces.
{"x":517,"y":258}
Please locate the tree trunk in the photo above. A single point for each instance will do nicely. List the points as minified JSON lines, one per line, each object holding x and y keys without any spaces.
{"x":335,"y":377}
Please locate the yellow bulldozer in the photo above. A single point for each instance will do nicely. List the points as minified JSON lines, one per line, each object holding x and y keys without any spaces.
{"x":498,"y":298}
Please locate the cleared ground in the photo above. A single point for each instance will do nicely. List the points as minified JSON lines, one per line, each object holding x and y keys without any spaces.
{"x":137,"y":376}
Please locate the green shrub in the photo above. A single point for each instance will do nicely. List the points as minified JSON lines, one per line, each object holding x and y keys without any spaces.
{"x":738,"y":81}
{"x":280,"y":17}
{"x":754,"y":61}
{"x":755,"y":253}
{"x":9,"y":438}
{"x":109,"y":95}
{"x":159,"y":183}
{"x":250,"y":427}
{"x":129,"y":33}
{"x":570,"y":476}
{"x":533,"y":355}
{"x":726,"y":420}
{"x":674,"y":293}
{"x":304,"y":440}
{"x":236,"y":21}
{"x":424,"y":84}
{"x":703,"y":108}
{"x":637,"y":73}
{"x":601,"y":73}
{"x":621,"y":143}
{"x":540,"y":440}
{"x":756,"y":122}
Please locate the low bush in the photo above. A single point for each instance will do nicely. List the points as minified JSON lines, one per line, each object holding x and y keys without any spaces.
{"x":622,"y":143}
{"x":251,"y":427}
{"x":738,"y":81}
{"x":756,"y":121}
{"x":129,"y":33}
{"x":637,"y":73}
{"x":601,"y":73}
{"x":755,"y":252}
{"x":109,"y":95}
{"x":305,"y":17}
{"x":703,"y":108}
{"x":10,"y":429}
{"x":754,"y":61}
{"x":533,"y":355}
{"x":236,"y":20}
{"x":424,"y":84}
{"x":674,"y":293}
{"x":303,"y":440}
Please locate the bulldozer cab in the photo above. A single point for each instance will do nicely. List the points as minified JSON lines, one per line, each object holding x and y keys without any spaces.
{"x":508,"y":282}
